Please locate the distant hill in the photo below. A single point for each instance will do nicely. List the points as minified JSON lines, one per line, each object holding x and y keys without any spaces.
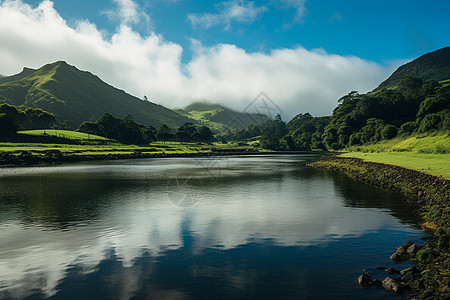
{"x":214,"y":113}
{"x":78,"y":96}
{"x":434,"y":65}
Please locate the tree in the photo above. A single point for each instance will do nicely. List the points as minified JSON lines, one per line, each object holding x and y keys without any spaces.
{"x":389,"y":132}
{"x":205,"y":134}
{"x":164,"y":133}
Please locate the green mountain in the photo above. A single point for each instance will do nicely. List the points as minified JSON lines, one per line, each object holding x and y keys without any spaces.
{"x":431,"y":66}
{"x":77,"y":96}
{"x":220,"y":117}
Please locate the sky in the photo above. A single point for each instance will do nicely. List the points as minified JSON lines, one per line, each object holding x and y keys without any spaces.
{"x":302,"y":54}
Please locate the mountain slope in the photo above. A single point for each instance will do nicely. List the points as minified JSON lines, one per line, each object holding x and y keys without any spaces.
{"x":434,"y":65}
{"x":214,"y":113}
{"x":79,"y":96}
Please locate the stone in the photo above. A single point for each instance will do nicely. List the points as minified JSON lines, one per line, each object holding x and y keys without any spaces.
{"x":366,"y":280}
{"x":396,"y":257}
{"x":392,"y":271}
{"x":401,"y":253}
{"x":412,"y":250}
{"x":412,"y":270}
{"x":395,"y":286}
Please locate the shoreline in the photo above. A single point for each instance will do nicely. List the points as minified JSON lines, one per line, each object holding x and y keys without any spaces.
{"x":432,"y":195}
{"x":54,"y":157}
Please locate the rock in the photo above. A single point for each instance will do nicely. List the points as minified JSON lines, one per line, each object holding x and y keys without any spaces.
{"x":401,"y":254}
{"x":366,"y":280}
{"x":397,"y":258}
{"x":412,"y":250}
{"x":392,"y":271}
{"x":394,"y":285}
{"x":412,"y":270}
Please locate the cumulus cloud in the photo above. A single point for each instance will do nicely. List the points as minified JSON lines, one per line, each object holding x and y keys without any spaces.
{"x":230,"y":11}
{"x":297,"y":79}
{"x":128,"y":13}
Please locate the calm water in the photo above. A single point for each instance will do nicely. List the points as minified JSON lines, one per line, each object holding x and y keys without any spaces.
{"x":222,"y":228}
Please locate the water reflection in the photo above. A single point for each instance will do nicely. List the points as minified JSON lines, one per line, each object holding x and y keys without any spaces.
{"x":257,"y":223}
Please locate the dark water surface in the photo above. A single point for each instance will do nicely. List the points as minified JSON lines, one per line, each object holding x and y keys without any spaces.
{"x":214,"y":228}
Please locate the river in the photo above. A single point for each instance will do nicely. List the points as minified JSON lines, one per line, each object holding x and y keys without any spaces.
{"x":253,"y":227}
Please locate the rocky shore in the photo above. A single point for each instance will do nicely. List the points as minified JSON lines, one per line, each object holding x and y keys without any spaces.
{"x":430,"y":278}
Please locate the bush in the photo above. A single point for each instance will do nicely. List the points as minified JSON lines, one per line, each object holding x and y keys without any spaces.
{"x":421,"y":255}
{"x":389,"y":132}
{"x":407,"y":128}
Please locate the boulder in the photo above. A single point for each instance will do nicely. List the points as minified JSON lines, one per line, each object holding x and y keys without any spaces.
{"x":410,"y":270}
{"x":413,"y":249}
{"x":392,"y":271}
{"x":366,"y":280}
{"x":401,"y":254}
{"x":397,"y":258}
{"x":394,"y":285}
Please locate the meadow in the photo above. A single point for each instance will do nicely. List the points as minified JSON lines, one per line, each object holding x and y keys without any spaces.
{"x":427,"y":153}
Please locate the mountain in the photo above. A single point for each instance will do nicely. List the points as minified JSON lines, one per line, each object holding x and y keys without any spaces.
{"x":223,"y":117}
{"x":434,"y":65}
{"x":77,"y":96}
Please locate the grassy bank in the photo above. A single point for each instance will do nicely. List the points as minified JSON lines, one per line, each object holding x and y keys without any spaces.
{"x":66,"y":134}
{"x":434,"y":164}
{"x":426,"y":153}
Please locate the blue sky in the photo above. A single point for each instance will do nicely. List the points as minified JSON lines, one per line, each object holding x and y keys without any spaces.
{"x":380,"y":31}
{"x":303,"y":53}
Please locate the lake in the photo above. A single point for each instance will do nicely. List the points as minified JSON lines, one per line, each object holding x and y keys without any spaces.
{"x":253,"y":227}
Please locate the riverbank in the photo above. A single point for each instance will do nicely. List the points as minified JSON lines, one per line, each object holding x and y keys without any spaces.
{"x":56,"y":157}
{"x":431,"y":193}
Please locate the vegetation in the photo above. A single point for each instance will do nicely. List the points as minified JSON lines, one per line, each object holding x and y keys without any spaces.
{"x":431,"y":66}
{"x":74,"y":97}
{"x":65,"y":134}
{"x":127,"y":131}
{"x":13,"y":119}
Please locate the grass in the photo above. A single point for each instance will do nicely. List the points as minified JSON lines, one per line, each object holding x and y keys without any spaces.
{"x":435,"y":143}
{"x":427,"y":153}
{"x":67,"y":134}
{"x":116,"y":148}
{"x":434,"y":164}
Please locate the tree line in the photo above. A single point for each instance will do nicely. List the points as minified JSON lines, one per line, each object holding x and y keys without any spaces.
{"x":414,"y":106}
{"x":126,"y":130}
{"x":13,"y":119}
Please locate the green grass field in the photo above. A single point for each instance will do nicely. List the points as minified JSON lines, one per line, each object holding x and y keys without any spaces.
{"x":426,"y":153}
{"x":67,"y":134}
{"x":116,"y":148}
{"x":434,"y":164}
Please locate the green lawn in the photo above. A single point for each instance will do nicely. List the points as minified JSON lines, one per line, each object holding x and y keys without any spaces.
{"x":72,"y":135}
{"x":115,"y":148}
{"x":435,"y":143}
{"x":434,"y":164}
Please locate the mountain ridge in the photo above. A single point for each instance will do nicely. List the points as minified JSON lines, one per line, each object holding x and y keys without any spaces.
{"x":217,"y":113}
{"x":430,"y":66}
{"x":77,"y":96}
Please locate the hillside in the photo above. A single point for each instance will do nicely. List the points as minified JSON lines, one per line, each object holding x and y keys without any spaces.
{"x":431,"y":66}
{"x":221,"y":117}
{"x":415,"y":105}
{"x":75,"y":96}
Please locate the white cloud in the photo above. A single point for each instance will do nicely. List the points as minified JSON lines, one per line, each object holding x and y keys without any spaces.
{"x":231,"y":11}
{"x":127,"y":12}
{"x":300,"y":11}
{"x":298,"y":80}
